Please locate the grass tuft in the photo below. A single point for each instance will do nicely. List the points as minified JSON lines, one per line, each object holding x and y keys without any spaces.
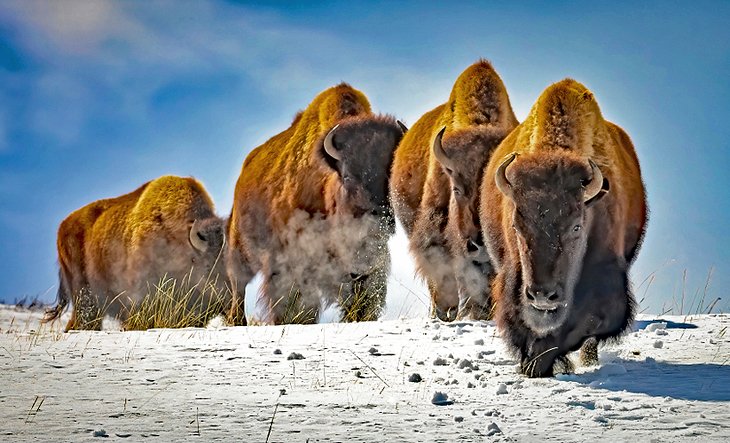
{"x":179,"y":304}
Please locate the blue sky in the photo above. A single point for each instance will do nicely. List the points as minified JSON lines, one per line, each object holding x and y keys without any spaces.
{"x":99,"y":97}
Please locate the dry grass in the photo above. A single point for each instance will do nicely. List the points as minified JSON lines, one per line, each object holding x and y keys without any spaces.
{"x":179,"y":304}
{"x":365,"y":302}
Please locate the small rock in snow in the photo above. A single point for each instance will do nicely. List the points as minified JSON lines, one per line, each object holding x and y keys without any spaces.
{"x":458,"y":419}
{"x":654,"y":326}
{"x":664,"y":332}
{"x":441,"y":399}
{"x":415,"y":378}
{"x":493,"y":429}
{"x":373,"y":351}
{"x":479,"y":342}
{"x":502,"y":388}
{"x":465,"y":363}
{"x":437,"y":326}
{"x":658,"y":344}
{"x":471,"y":385}
{"x":277,"y":351}
{"x":295,"y":356}
{"x":440,"y":362}
{"x":100,"y":433}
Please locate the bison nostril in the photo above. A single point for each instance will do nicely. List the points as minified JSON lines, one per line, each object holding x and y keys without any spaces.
{"x":541,"y":294}
{"x":471,"y":246}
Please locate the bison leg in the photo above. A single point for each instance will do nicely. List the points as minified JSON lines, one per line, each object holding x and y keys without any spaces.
{"x":444,"y":298}
{"x":284,"y":301}
{"x":239,"y":275}
{"x":539,"y":360}
{"x":237,"y":314}
{"x":589,"y":352}
{"x":86,"y":313}
{"x":475,"y":302}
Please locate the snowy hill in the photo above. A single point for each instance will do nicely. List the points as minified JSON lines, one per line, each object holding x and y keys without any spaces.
{"x":668,"y":381}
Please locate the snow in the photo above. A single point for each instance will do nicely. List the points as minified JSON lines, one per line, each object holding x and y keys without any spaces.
{"x":223,"y":384}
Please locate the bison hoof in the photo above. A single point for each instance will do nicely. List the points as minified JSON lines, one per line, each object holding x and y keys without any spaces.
{"x":447,"y":315}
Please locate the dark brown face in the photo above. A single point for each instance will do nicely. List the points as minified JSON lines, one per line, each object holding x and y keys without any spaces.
{"x":462,"y":157}
{"x":361,"y":151}
{"x":551,"y":225}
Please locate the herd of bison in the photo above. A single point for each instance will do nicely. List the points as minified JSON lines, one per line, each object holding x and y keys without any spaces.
{"x":534,"y":224}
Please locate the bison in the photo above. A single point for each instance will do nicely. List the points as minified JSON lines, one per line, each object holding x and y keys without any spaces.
{"x":311,"y":212}
{"x":435,"y":187}
{"x":564,"y":212}
{"x":112,"y":252}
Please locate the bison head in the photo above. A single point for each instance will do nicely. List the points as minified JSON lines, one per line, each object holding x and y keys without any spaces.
{"x":207,"y":236}
{"x":551,"y":196}
{"x":462,"y":157}
{"x":361,"y":150}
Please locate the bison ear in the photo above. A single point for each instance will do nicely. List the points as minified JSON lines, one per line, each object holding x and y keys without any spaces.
{"x":604,"y":190}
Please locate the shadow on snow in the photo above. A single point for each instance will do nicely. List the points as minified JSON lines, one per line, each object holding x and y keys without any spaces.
{"x":642,"y":324}
{"x":696,"y":381}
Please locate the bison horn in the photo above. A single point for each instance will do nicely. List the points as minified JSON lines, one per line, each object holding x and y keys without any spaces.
{"x":438,"y":150}
{"x":403,"y":127}
{"x":504,"y":186}
{"x":329,"y":147}
{"x":593,"y":187}
{"x":197,"y":239}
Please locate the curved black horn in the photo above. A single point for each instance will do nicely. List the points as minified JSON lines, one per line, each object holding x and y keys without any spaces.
{"x":593,"y":187}
{"x":438,"y":150}
{"x":196,"y":240}
{"x":403,"y":127}
{"x":329,"y":147}
{"x":500,"y":177}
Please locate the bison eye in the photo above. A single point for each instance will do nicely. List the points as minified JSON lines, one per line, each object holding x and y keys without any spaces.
{"x":457,"y":191}
{"x":577,"y":228}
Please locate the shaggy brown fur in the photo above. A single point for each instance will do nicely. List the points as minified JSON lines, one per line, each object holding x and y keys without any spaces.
{"x":313,"y":224}
{"x":563,"y":261}
{"x":437,"y":202}
{"x":112,"y":251}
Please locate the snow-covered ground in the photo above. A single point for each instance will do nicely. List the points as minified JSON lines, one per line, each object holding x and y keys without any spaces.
{"x":352,"y":382}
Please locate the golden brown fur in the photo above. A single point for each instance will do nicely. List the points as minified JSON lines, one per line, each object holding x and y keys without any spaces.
{"x":563,"y":131}
{"x":291,"y":198}
{"x":439,"y":224}
{"x":112,"y":251}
